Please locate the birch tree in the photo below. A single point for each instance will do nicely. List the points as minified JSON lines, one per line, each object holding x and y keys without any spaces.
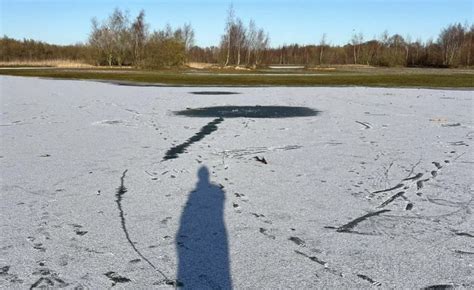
{"x":251,"y":39}
{"x":139,"y":34}
{"x":118,"y":24}
{"x":239,"y":31}
{"x":450,"y":40}
{"x":262,"y":43}
{"x":357,"y":40}
{"x":227,"y":38}
{"x":102,"y":41}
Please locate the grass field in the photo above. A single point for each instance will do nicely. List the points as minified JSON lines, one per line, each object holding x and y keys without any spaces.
{"x":346,"y":76}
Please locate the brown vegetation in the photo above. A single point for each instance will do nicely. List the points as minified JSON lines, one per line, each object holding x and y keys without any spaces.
{"x":58,"y":63}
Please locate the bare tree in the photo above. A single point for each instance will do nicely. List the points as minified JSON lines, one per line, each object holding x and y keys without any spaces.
{"x":227,"y":38}
{"x":407,"y":45}
{"x":240,"y":32}
{"x":118,"y":24}
{"x":167,"y":32}
{"x":322,"y":44}
{"x":139,"y":32}
{"x":251,"y":39}
{"x":356,"y":40}
{"x":188,"y":36}
{"x":263,"y":40}
{"x":397,"y":44}
{"x":469,"y":45}
{"x":95,"y":39}
{"x":102,"y":40}
{"x":450,"y":40}
{"x":417,"y":45}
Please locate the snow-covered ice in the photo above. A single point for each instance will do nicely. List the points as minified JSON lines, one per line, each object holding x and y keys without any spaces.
{"x":374,"y":189}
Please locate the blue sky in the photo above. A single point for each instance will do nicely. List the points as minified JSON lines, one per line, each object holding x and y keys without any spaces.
{"x":287,"y":21}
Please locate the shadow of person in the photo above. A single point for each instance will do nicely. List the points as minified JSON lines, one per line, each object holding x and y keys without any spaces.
{"x":201,"y":240}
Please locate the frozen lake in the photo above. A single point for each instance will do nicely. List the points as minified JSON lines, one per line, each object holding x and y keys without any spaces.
{"x":103,"y":184}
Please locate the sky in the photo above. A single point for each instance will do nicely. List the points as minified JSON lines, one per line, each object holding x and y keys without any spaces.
{"x":287,"y":21}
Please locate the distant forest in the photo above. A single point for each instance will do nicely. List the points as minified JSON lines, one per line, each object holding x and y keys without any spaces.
{"x":121,"y":41}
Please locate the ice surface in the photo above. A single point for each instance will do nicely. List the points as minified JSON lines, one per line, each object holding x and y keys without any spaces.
{"x":375,"y":189}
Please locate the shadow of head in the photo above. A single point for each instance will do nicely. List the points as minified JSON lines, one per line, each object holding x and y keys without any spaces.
{"x":203,"y":174}
{"x":204,"y":186}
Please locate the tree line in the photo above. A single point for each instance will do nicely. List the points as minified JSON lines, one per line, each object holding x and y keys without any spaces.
{"x":121,"y":41}
{"x":31,"y":50}
{"x":453,"y":48}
